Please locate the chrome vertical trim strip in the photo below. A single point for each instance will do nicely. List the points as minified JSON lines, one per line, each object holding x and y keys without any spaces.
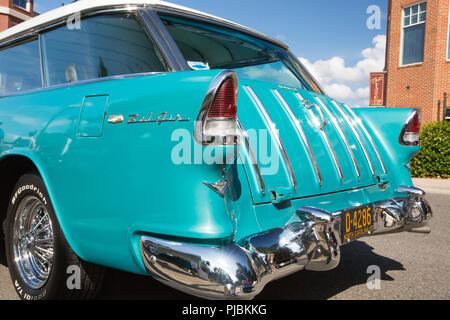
{"x":356,"y":134}
{"x":333,"y":155}
{"x":253,"y":159}
{"x":156,"y":36}
{"x":301,"y":133}
{"x":274,"y":132}
{"x":167,"y":38}
{"x":337,"y":165}
{"x":363,"y":128}
{"x":41,"y":57}
{"x":341,"y":134}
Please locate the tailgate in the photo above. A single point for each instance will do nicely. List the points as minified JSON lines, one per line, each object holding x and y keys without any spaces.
{"x":302,"y":144}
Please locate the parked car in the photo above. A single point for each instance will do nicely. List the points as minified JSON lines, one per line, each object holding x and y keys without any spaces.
{"x":155,"y":139}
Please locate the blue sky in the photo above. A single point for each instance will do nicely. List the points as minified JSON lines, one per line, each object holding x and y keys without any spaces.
{"x":330,"y":36}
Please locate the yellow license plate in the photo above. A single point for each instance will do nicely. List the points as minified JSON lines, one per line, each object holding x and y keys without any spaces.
{"x":357,"y":222}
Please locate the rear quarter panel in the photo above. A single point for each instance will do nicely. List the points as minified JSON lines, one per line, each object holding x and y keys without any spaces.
{"x":106,"y":190}
{"x":385,"y":126}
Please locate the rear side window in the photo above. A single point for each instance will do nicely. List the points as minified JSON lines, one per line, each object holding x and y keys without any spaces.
{"x":102,"y":46}
{"x":208,"y":46}
{"x":20,"y":68}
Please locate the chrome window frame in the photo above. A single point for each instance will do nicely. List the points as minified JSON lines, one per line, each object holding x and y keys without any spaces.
{"x":161,"y":9}
{"x":143,"y":16}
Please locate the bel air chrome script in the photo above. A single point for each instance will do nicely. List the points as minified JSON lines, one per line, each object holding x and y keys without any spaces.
{"x":162,"y":117}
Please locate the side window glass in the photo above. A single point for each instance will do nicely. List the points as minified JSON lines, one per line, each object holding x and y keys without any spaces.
{"x":20,"y":68}
{"x":103,"y":46}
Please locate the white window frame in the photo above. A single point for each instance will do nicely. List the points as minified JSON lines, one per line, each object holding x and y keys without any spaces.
{"x":410,"y":25}
{"x":27,"y":6}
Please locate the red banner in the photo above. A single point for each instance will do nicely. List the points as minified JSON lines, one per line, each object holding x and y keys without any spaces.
{"x":377,"y":88}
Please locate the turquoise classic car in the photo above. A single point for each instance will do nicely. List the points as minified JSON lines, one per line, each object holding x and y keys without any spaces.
{"x":159,"y":140}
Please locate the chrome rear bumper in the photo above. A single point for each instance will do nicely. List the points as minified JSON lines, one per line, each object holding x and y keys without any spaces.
{"x":241,"y":270}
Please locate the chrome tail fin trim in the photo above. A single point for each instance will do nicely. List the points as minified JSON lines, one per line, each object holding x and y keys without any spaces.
{"x":308,"y":105}
{"x":356,"y":119}
{"x":252,"y":156}
{"x":274,"y":132}
{"x":301,"y":133}
{"x":341,"y":134}
{"x":357,"y":136}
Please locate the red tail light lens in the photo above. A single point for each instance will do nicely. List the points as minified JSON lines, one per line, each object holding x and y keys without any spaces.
{"x":413,"y":125}
{"x":410,"y":133}
{"x":224,"y":104}
{"x":217,"y":121}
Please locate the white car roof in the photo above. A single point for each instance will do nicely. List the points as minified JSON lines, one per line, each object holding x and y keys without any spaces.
{"x":89,"y":5}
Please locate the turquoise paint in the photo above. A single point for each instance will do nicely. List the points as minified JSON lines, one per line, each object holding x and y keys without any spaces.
{"x":91,"y":116}
{"x":109,"y":190}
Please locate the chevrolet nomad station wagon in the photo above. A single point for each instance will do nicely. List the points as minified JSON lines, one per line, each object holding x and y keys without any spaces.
{"x":159,"y":140}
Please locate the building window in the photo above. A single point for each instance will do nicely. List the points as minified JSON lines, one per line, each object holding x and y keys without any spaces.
{"x":21,"y":3}
{"x":413,"y":26}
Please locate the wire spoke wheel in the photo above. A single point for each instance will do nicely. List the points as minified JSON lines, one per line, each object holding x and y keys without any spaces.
{"x":33,"y":242}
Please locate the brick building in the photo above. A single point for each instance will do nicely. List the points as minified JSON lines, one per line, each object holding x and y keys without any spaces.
{"x":13,"y":12}
{"x":418,"y":57}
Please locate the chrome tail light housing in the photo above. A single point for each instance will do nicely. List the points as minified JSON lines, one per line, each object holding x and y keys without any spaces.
{"x":217,"y":120}
{"x":409,"y":135}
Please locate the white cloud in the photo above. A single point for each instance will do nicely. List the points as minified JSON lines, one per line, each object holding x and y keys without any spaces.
{"x":349,"y":83}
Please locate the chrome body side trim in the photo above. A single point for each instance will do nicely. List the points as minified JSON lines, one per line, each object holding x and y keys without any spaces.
{"x":81,"y":82}
{"x":341,"y":134}
{"x":301,"y":133}
{"x":252,"y":156}
{"x":274,"y":132}
{"x":116,"y":118}
{"x":357,"y":120}
{"x":357,"y":136}
{"x":240,"y":270}
{"x":308,"y":105}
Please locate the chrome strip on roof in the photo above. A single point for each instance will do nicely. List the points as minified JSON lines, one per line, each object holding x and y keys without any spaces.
{"x":274,"y":131}
{"x":301,"y":133}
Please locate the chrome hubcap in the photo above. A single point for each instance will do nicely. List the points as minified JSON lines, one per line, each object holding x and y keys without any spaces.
{"x":33,"y":242}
